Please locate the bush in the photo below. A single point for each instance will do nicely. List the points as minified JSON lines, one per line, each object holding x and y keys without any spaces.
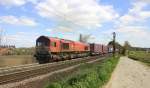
{"x":140,"y":55}
{"x":21,"y":51}
{"x":54,"y":85}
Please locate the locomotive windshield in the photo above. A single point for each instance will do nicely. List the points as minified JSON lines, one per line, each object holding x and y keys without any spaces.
{"x":42,"y":41}
{"x":42,"y":44}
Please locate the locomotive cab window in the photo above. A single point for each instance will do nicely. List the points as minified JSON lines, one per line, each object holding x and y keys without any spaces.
{"x":53,"y":44}
{"x":39,"y":43}
{"x":42,"y":44}
{"x":65,"y":45}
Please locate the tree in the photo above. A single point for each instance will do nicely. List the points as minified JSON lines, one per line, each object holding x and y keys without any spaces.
{"x":117,"y":45}
{"x":126,"y":47}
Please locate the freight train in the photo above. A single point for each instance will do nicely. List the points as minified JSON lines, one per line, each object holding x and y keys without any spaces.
{"x":50,"y":49}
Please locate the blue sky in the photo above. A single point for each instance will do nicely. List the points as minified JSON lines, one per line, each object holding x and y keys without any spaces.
{"x":22,"y":21}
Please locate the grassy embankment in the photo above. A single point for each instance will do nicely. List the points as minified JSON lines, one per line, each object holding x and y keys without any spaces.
{"x":141,"y":56}
{"x":17,"y":51}
{"x":93,"y":75}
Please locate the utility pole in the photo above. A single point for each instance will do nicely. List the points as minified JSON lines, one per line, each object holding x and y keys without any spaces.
{"x":114,"y":45}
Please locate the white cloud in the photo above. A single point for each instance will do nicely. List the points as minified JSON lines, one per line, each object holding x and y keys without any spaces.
{"x":86,"y":13}
{"x":132,"y":26}
{"x":21,"y":39}
{"x":33,"y":1}
{"x":146,"y":1}
{"x":136,"y":14}
{"x":137,"y":35}
{"x":17,"y":20}
{"x":16,"y":2}
{"x":63,"y":33}
{"x":133,"y":30}
{"x":60,"y":29}
{"x":12,"y":2}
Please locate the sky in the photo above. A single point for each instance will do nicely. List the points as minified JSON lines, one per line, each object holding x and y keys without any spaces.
{"x":23,"y":21}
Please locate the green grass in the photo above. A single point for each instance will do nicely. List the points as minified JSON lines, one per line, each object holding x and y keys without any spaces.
{"x":88,"y":75}
{"x":140,"y":55}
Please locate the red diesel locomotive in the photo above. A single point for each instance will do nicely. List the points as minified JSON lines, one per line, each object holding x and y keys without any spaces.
{"x":49,"y":49}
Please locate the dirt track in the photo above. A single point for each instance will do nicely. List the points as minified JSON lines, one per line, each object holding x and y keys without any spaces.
{"x":130,"y":74}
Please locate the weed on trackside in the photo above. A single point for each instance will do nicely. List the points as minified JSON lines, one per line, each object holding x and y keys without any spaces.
{"x":93,"y":75}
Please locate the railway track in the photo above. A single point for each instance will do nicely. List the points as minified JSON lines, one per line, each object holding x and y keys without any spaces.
{"x":6,"y":70}
{"x":24,"y":72}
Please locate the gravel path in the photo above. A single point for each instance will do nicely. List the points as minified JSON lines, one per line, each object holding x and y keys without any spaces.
{"x":130,"y":74}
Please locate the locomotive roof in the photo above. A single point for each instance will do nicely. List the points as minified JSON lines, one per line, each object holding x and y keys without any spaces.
{"x":61,"y":39}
